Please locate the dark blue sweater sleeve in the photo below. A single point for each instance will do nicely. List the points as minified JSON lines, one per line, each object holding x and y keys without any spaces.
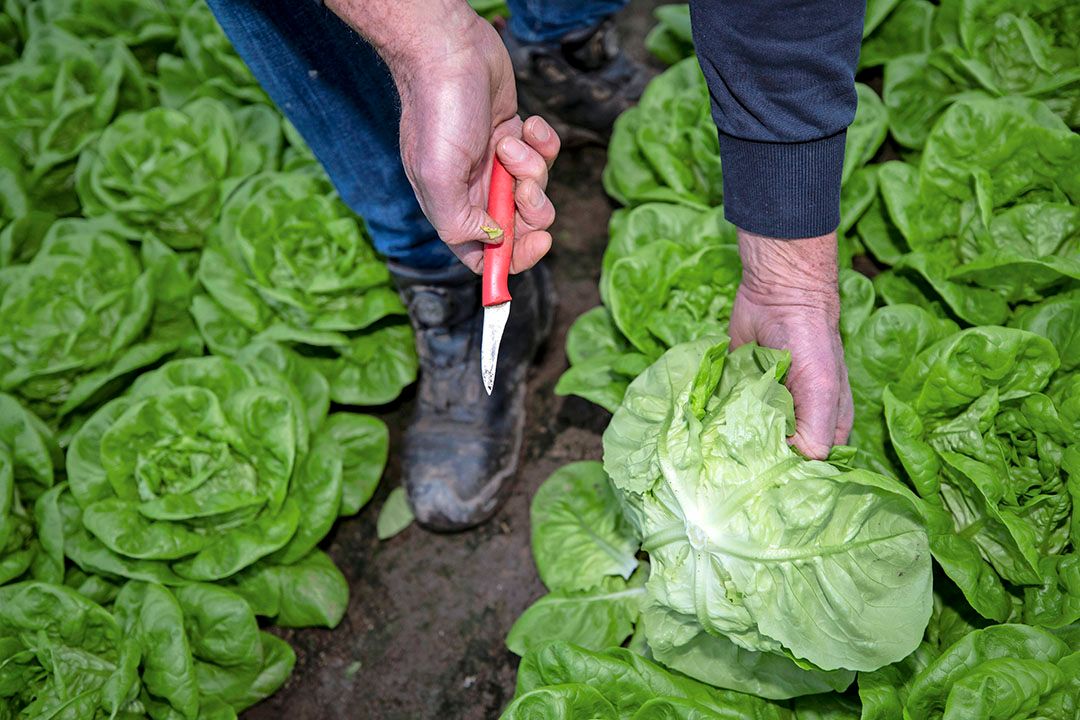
{"x":781,"y":74}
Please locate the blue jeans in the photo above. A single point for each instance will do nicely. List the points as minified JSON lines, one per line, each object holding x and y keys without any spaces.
{"x":337,"y":92}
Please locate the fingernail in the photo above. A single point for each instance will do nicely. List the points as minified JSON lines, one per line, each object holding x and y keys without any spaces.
{"x":541,"y":131}
{"x":533,"y":195}
{"x":514,"y":149}
{"x":493,"y":233}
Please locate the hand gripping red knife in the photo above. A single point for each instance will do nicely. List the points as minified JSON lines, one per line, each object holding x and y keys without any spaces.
{"x":497,"y":256}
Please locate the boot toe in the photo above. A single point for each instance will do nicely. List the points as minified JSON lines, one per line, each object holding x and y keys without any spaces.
{"x":453,"y":483}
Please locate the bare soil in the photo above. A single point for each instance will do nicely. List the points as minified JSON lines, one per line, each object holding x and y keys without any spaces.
{"x":424,"y":633}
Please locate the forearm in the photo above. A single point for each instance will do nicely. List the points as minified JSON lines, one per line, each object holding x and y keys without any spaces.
{"x":781,"y":74}
{"x":408,"y":33}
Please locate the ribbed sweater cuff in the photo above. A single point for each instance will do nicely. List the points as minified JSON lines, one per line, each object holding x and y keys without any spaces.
{"x":783,"y":190}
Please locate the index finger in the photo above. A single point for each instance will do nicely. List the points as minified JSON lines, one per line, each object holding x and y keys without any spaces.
{"x":542,"y":138}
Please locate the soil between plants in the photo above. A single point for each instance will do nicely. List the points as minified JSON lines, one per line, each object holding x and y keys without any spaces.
{"x":424,"y":634}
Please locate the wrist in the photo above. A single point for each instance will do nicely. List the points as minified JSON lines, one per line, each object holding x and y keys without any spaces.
{"x":410,"y":34}
{"x":798,"y":272}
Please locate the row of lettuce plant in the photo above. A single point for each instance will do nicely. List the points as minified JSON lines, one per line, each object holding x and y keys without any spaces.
{"x":188,"y":317}
{"x":928,"y":570}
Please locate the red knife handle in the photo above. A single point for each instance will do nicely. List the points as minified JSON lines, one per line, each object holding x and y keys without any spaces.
{"x":497,"y":256}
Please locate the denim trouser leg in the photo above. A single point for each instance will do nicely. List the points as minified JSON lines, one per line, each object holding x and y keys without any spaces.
{"x":544,"y":21}
{"x":339,"y":95}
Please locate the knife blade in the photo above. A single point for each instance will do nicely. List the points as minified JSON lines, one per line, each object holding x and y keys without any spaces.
{"x":497,"y":256}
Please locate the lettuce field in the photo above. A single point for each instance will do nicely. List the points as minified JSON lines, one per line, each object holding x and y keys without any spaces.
{"x":205,"y":370}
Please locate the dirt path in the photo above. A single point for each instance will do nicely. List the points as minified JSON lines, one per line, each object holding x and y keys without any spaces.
{"x":423,"y":636}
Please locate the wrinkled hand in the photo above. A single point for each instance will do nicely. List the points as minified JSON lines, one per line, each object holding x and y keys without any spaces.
{"x":459,"y":106}
{"x":789,"y":299}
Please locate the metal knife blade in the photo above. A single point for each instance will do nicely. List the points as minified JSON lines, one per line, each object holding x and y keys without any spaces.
{"x":495,"y":317}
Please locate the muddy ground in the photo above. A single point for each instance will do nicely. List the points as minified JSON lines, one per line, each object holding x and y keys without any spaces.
{"x":423,"y":636}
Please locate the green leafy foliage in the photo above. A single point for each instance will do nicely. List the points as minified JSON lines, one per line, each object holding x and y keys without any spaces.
{"x":671,"y":40}
{"x":978,"y":437}
{"x":57,"y":98}
{"x":63,"y":655}
{"x":896,"y":28}
{"x":28,"y":459}
{"x":961,"y":670}
{"x":145,"y":26}
{"x":585,"y":552}
{"x":202,"y":653}
{"x":157,"y":507}
{"x":600,"y":617}
{"x":166,"y":172}
{"x":395,"y":515}
{"x":665,"y":148}
{"x":579,"y":534}
{"x":647,"y":311}
{"x":555,"y":678}
{"x":877,"y":351}
{"x":988,"y":220}
{"x":207,"y":65}
{"x":87,"y":311}
{"x":698,"y":453}
{"x":1000,"y":671}
{"x":968,"y":48}
{"x":207,"y":466}
{"x":289,"y":262}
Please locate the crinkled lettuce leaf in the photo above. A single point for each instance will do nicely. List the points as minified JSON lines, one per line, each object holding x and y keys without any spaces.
{"x":730,"y":515}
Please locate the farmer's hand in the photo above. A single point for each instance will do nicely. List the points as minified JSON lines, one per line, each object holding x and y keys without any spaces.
{"x":459,"y":107}
{"x":789,"y":299}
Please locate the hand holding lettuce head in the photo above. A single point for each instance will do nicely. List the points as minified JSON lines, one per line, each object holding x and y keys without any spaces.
{"x":789,"y":298}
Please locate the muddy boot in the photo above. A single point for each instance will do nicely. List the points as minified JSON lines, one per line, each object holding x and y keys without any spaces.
{"x":461,"y":448}
{"x":579,"y":84}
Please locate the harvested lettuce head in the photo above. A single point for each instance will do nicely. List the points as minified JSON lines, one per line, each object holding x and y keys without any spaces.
{"x":770,"y":573}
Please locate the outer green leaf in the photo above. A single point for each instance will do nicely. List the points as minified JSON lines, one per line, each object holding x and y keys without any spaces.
{"x":579,"y":535}
{"x":1058,"y":320}
{"x":681,"y":644}
{"x":630,"y":681}
{"x":364,"y":441}
{"x":905,"y":30}
{"x":151,"y":615}
{"x":597,"y":618}
{"x":1015,"y":666}
{"x":309,"y":592}
{"x":235,"y":662}
{"x":595,"y":347}
{"x":867,"y":130}
{"x":560,"y":702}
{"x":395,"y":515}
{"x":64,"y":656}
